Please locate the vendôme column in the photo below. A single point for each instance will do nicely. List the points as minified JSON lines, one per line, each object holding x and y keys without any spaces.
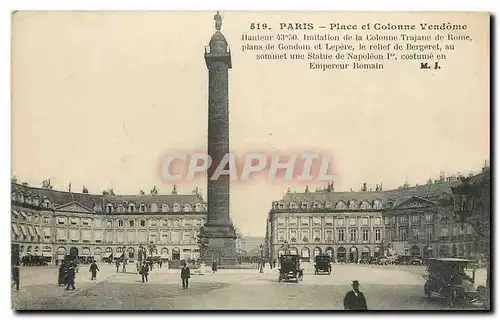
{"x":218,"y":231}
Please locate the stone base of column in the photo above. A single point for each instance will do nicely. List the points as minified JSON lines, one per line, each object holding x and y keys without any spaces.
{"x":220,"y":245}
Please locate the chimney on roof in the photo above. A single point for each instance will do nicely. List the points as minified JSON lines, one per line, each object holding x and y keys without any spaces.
{"x":85,"y":190}
{"x":441,"y":176}
{"x":174,"y":191}
{"x":25,"y":184}
{"x":307,"y":189}
{"x":14,"y":179}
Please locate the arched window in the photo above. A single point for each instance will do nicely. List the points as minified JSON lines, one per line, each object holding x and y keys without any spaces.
{"x":109,"y":208}
{"x":353,"y":205}
{"x":328,"y":204}
{"x":164,"y":207}
{"x":121,"y":208}
{"x":365,"y":205}
{"x":187,"y":208}
{"x":143,"y":207}
{"x":199,"y":207}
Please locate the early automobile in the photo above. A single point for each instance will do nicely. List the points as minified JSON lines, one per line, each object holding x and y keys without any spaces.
{"x":322,"y":264}
{"x":290,"y":268}
{"x":447,"y":278}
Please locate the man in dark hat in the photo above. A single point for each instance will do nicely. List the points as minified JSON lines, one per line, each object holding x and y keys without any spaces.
{"x":15,"y":275}
{"x":70,"y":276}
{"x":185,"y":275}
{"x":355,"y":299}
{"x":93,"y":269}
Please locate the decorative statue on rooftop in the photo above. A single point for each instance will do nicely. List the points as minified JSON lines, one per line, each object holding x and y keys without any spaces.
{"x":218,"y":21}
{"x":154,"y":192}
{"x":46,"y":184}
{"x":69,"y":187}
{"x":85,"y":190}
{"x":175,"y":189}
{"x":141,"y":192}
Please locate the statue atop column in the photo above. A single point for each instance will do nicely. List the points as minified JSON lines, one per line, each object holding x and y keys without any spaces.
{"x":218,"y":21}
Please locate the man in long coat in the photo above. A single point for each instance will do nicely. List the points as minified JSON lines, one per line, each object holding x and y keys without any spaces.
{"x":93,"y":268}
{"x":355,"y":299}
{"x":70,"y":277}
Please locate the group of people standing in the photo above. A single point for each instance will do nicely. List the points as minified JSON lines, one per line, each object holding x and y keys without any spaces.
{"x":67,"y":274}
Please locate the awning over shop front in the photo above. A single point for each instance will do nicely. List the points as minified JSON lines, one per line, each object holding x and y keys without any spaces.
{"x":107,"y":254}
{"x":30,"y":230}
{"x":15,"y":229}
{"x":118,"y":255}
{"x":24,"y":215}
{"x":37,"y":230}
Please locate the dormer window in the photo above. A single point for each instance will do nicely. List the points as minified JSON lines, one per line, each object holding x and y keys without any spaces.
{"x":328,"y":204}
{"x":28,"y":200}
{"x":293,"y":205}
{"x":20,"y":197}
{"x":377,"y":204}
{"x":303,"y":205}
{"x":187,"y":208}
{"x":177,"y":207}
{"x":109,"y":208}
{"x":317,"y":205}
{"x":365,"y":205}
{"x":353,"y":205}
{"x":164,"y":207}
{"x":36,"y":201}
{"x":46,"y":203}
{"x":97,"y":207}
{"x":143,"y":208}
{"x":154,"y":207}
{"x":131,"y":207}
{"x":281,"y":205}
{"x":199,"y":207}
{"x":121,"y":208}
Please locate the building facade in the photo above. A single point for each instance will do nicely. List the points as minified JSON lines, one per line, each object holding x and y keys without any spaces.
{"x":54,"y":224}
{"x":417,"y":220}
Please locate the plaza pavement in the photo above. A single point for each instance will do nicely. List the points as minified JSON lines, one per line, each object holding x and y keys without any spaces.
{"x":385,"y":287}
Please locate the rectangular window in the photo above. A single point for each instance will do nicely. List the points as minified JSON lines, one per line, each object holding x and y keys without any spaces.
{"x":108,"y":223}
{"x":304,"y":221}
{"x":428,"y":217}
{"x":444,"y":231}
{"x":402,"y":219}
{"x":366,"y":235}
{"x":61,"y":221}
{"x":340,"y":235}
{"x":403,"y":234}
{"x":415,"y":219}
{"x":46,"y":220}
{"x":390,"y":235}
{"x":352,"y":221}
{"x":292,"y":221}
{"x":317,"y":235}
{"x":281,"y":235}
{"x":131,"y":223}
{"x":293,"y":235}
{"x":74,"y":221}
{"x":120,"y":223}
{"x":340,"y":222}
{"x":415,"y":234}
{"x":317,"y":221}
{"x":143,"y":223}
{"x":329,"y":221}
{"x":377,"y":235}
{"x":281,"y":222}
{"x":329,"y":235}
{"x":154,"y":223}
{"x":305,"y":236}
{"x":352,"y":235}
{"x":377,"y":221}
{"x":86,"y":222}
{"x":364,"y":221}
{"x":429,"y":234}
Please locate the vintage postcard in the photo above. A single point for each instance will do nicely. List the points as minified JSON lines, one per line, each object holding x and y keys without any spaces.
{"x":238,"y":160}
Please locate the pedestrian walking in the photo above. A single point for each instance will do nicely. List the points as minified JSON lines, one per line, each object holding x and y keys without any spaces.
{"x":144,"y":272}
{"x":70,"y":277}
{"x":214,"y":266}
{"x":124,"y":269}
{"x":355,"y":299}
{"x":15,"y":275}
{"x":160,"y":263}
{"x":61,"y":281}
{"x":93,"y":268}
{"x":185,"y":275}
{"x":117,"y":265}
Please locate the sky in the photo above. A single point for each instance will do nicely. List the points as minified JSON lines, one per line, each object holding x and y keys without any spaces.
{"x":99,"y":98}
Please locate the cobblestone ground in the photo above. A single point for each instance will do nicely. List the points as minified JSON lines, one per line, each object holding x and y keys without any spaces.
{"x":385,"y":287}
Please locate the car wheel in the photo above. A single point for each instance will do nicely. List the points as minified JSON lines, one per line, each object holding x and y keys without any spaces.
{"x":427,"y":290}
